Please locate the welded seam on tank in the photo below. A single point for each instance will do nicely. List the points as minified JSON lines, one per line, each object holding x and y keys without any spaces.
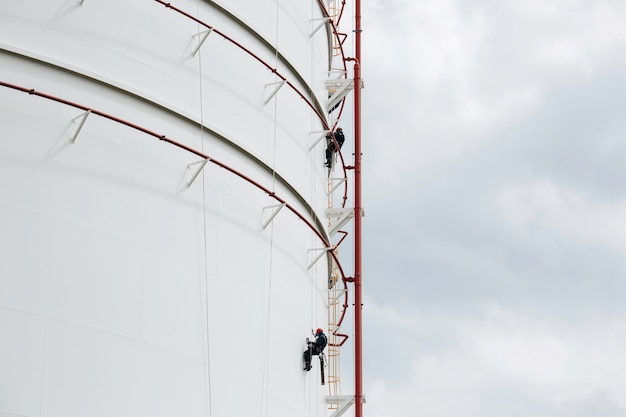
{"x":47,"y":61}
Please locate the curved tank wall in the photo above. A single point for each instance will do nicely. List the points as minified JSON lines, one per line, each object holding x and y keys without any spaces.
{"x":124,"y":290}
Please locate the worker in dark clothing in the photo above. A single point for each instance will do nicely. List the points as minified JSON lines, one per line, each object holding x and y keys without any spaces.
{"x":331,"y":148}
{"x":314,"y":348}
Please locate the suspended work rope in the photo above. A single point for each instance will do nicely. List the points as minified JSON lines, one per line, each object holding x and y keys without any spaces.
{"x":209,"y":405}
{"x":266,"y":357}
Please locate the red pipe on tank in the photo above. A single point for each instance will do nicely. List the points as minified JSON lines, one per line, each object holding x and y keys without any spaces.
{"x":275,"y":71}
{"x":269,"y":192}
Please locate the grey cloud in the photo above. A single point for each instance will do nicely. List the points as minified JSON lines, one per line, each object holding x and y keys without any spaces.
{"x":495,"y":142}
{"x":600,"y":402}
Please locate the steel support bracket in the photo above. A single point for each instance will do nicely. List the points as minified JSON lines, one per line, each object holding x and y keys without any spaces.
{"x":338,"y":89}
{"x":343,"y":401}
{"x":277,"y":208}
{"x":83,"y":119}
{"x":338,"y":218}
{"x":337,"y":182}
{"x":195,"y":175}
{"x":279,"y":84}
{"x":319,"y":26}
{"x":321,"y":135}
{"x":204,"y":34}
{"x":323,"y":251}
{"x":336,"y":294}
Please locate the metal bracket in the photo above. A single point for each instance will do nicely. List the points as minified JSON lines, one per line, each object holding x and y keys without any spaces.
{"x":318,"y":27}
{"x":323,"y":251}
{"x":339,"y":89}
{"x":80,"y":124}
{"x":338,"y":181}
{"x":335,"y":298}
{"x":323,"y":134}
{"x":280,"y":84}
{"x":205,"y":34}
{"x":277,"y":208}
{"x":195,"y":175}
{"x":338,"y":218}
{"x":344,"y":402}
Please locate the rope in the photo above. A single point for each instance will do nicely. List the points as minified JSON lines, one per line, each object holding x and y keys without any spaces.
{"x":266,"y":357}
{"x":209,"y":408}
{"x":264,"y":409}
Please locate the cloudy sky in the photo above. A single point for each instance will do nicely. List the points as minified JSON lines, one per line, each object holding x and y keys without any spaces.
{"x":495,"y":197}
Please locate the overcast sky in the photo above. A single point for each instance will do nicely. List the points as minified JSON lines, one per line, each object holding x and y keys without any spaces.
{"x":495,"y":197}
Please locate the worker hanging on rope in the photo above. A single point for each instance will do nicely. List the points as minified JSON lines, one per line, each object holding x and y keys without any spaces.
{"x":315,"y":347}
{"x":331,"y":148}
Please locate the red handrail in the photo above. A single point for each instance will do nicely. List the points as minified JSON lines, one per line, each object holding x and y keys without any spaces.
{"x":294,"y":88}
{"x":164,"y":138}
{"x":275,"y":71}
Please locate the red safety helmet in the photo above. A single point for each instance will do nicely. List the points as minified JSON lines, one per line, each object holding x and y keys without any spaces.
{"x":319,"y":330}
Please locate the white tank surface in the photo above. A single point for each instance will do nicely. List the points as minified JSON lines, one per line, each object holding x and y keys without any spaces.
{"x":161,"y":207}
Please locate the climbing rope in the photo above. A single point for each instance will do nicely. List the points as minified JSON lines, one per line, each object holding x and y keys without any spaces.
{"x":264,"y":410}
{"x":209,"y":407}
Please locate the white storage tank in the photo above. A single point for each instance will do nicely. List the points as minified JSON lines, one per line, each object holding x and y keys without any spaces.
{"x":136,"y":280}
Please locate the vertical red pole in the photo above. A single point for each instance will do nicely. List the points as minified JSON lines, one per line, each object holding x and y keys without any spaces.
{"x":358,"y":304}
